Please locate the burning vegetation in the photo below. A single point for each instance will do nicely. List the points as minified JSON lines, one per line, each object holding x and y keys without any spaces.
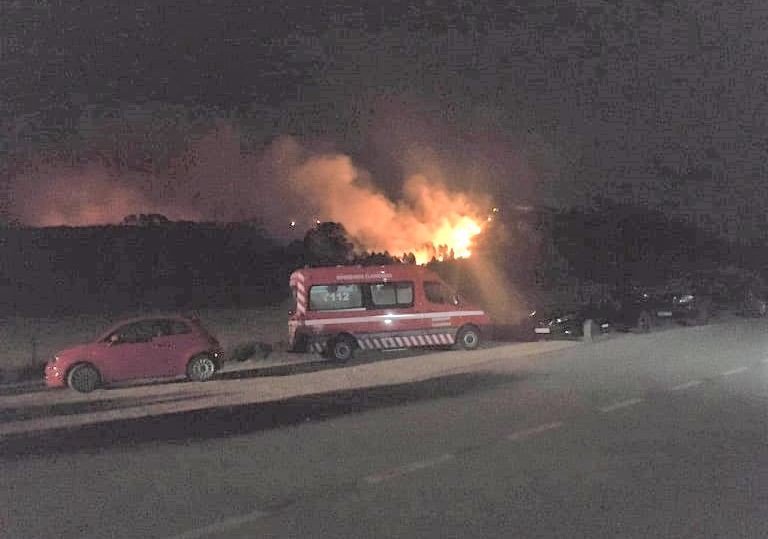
{"x":216,"y":179}
{"x":430,"y":220}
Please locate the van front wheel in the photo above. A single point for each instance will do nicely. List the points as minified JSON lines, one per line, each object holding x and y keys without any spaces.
{"x":341,"y":349}
{"x":468,"y":338}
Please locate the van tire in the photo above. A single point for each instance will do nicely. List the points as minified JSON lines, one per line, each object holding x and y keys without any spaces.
{"x":341,"y":349}
{"x":468,"y":338}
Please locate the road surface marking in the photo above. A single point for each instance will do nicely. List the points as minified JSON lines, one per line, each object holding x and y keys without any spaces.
{"x":686,"y":385}
{"x":221,"y":526}
{"x":735,"y":371}
{"x":407,"y":468}
{"x":527,"y":433}
{"x":619,"y":405}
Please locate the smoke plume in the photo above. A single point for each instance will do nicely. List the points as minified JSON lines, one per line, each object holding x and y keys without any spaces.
{"x":218,"y":178}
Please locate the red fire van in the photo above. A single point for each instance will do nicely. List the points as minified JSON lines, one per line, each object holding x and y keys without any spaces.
{"x":344,"y":308}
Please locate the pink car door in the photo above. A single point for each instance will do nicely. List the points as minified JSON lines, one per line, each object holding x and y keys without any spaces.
{"x":134,"y":352}
{"x":173,"y":344}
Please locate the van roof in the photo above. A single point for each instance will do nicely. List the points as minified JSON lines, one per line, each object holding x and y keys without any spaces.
{"x":360,"y":274}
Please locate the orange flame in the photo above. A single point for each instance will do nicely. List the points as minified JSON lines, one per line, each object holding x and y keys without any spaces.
{"x":430,"y":220}
{"x":452,"y":239}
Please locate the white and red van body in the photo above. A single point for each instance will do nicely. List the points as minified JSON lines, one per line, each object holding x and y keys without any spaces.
{"x":378,"y":307}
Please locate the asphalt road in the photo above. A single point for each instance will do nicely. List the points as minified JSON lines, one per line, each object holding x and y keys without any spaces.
{"x":660,"y":435}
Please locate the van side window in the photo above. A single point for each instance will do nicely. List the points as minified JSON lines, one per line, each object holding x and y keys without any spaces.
{"x":392,"y":295}
{"x":438,"y":293}
{"x":335,"y":297}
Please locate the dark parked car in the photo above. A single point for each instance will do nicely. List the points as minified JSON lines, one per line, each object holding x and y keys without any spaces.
{"x":569,"y":323}
{"x":637,"y":310}
{"x":642,"y":309}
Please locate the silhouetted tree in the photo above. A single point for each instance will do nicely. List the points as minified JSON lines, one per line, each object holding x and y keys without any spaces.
{"x":145,"y":219}
{"x":327,"y":244}
{"x":376,"y":259}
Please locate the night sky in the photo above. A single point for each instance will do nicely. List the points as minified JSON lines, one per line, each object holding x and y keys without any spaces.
{"x":661,"y":104}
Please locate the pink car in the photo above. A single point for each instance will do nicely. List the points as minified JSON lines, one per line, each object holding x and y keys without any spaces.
{"x":150,"y":347}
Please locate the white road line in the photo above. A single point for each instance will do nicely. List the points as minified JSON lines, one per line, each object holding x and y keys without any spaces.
{"x":221,"y":526}
{"x":619,"y":405}
{"x":527,"y":433}
{"x":686,"y":385}
{"x":407,"y":468}
{"x":734,"y":371}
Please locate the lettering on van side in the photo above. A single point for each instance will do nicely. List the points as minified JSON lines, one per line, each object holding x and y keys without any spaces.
{"x":364,"y":276}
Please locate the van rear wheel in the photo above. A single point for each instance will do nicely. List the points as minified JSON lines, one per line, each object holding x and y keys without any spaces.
{"x":341,"y":349}
{"x":468,"y":338}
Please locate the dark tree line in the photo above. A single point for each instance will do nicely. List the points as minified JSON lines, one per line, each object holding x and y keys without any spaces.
{"x":166,"y":265}
{"x":328,"y":244}
{"x":117,"y":268}
{"x":608,"y":249}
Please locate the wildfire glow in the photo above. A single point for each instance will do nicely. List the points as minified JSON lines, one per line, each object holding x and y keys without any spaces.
{"x":287,"y":184}
{"x":430,"y":220}
{"x":452,"y":239}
